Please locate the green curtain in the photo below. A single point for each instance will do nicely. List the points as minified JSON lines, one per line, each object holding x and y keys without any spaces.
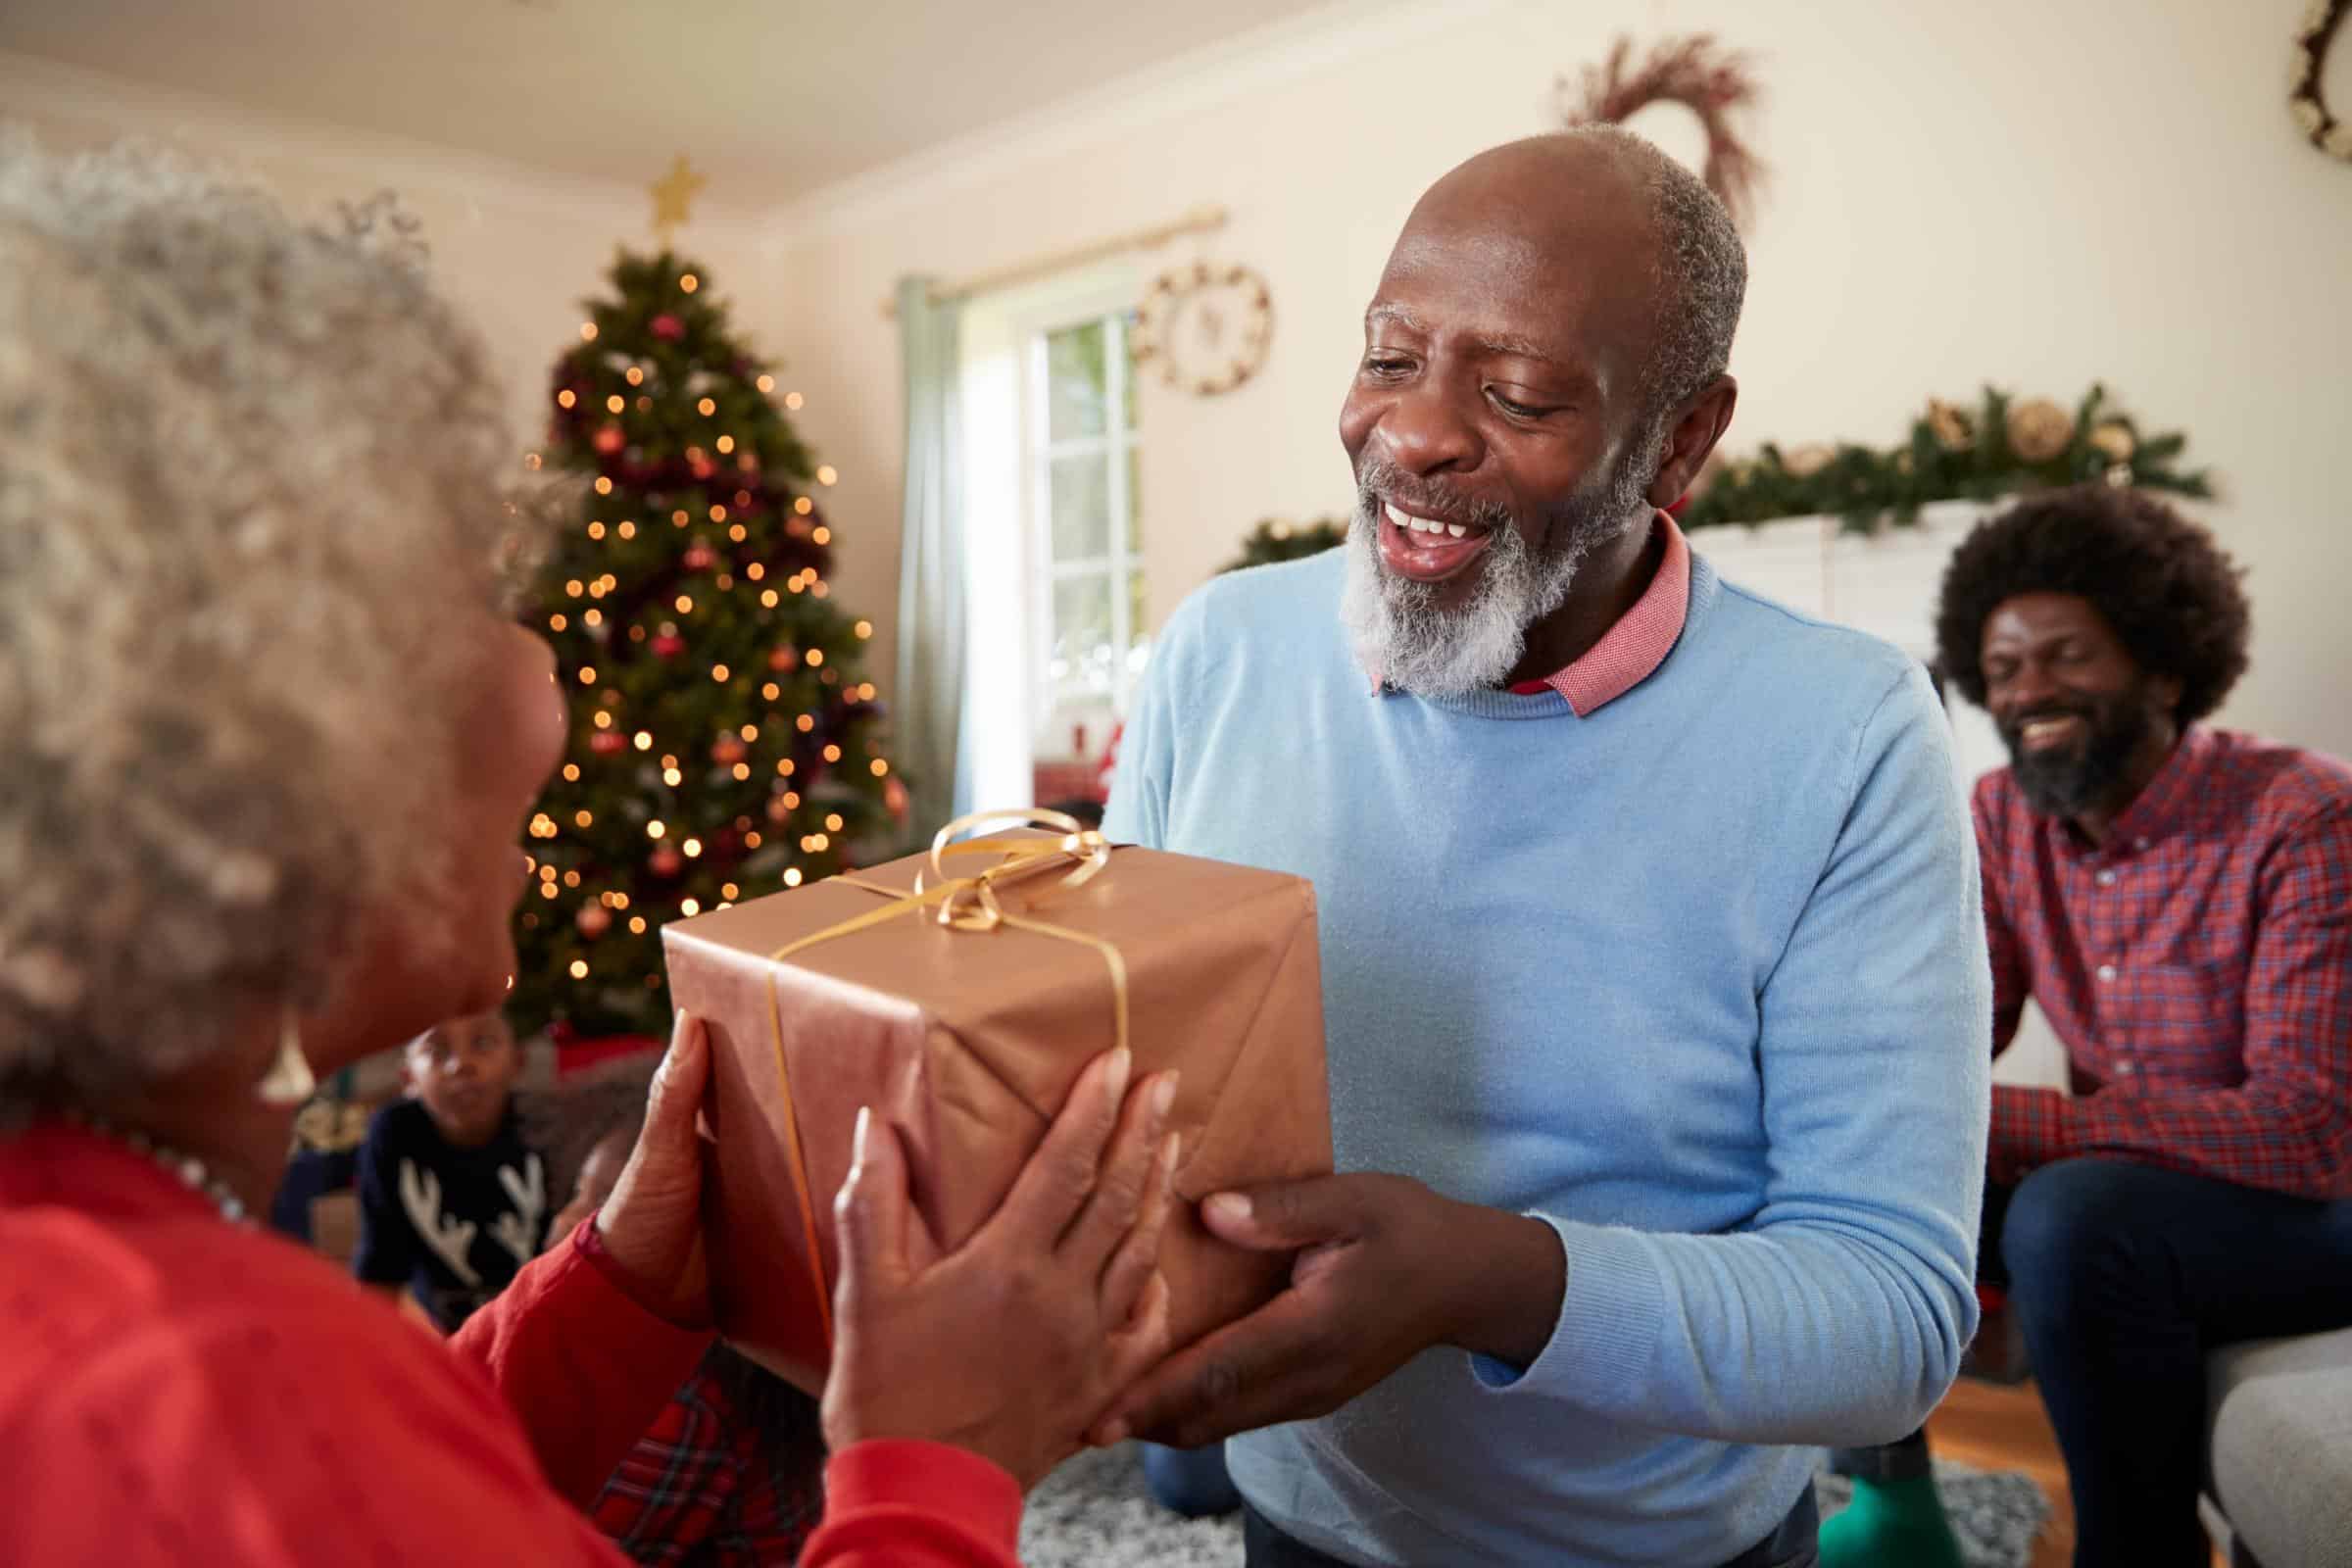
{"x":928,"y":712}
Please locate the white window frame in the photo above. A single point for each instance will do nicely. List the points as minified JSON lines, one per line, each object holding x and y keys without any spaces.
{"x":1003,"y":569}
{"x":1109,"y":304}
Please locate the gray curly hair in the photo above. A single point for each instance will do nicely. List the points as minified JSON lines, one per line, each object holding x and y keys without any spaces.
{"x":248,"y":471}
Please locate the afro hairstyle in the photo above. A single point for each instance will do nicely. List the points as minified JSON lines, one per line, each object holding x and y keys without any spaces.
{"x":2161,"y":583}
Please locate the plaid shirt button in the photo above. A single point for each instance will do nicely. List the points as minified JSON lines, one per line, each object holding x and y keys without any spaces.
{"x":2106,"y":971}
{"x":2107,"y":878}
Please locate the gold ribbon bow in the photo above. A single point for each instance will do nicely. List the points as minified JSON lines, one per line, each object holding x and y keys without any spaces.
{"x":960,"y":903}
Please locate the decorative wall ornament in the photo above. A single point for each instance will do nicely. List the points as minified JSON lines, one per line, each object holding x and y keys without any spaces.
{"x":2329,"y":132}
{"x":1207,"y":326}
{"x":1712,"y":83}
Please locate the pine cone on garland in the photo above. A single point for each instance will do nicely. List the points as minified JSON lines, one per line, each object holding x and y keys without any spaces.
{"x":1807,"y":461}
{"x":1954,"y":430}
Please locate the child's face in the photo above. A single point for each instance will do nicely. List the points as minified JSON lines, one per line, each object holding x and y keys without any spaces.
{"x":599,"y":1173}
{"x":464,"y":1071}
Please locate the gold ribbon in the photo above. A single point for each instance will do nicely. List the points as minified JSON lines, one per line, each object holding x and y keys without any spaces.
{"x":960,"y":903}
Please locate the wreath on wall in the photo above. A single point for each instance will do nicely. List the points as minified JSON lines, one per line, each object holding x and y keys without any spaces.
{"x":1711,"y":82}
{"x":2328,"y":132}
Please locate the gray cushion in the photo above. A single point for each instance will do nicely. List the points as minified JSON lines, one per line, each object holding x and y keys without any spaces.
{"x":2280,"y":1414}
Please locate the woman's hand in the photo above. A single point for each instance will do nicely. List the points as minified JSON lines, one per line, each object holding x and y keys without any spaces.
{"x":652,"y":1223}
{"x":1012,"y":1345}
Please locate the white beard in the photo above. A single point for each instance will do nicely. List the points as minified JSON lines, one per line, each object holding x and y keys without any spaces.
{"x":1404,"y":637}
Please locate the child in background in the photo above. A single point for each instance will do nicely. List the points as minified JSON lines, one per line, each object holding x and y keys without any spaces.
{"x":731,"y":1473}
{"x":452,"y":1201}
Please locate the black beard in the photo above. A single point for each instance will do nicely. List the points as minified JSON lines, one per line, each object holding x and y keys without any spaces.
{"x":2066,"y":781}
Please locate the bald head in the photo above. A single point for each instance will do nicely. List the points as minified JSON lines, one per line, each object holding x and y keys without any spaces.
{"x":1635,"y":225}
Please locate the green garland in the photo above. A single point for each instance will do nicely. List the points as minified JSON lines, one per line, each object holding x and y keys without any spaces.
{"x":1278,"y":540}
{"x":1999,"y":448}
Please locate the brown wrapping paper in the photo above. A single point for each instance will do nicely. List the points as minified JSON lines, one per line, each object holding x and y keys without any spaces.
{"x":967,"y":1040}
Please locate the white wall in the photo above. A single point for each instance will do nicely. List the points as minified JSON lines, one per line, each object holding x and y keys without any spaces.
{"x":2030,"y":193}
{"x":517,"y":248}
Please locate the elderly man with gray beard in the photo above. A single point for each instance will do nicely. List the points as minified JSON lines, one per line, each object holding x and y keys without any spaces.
{"x":1654,"y":956}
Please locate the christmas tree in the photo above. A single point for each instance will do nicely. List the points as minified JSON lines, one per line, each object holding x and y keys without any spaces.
{"x":724,"y":744}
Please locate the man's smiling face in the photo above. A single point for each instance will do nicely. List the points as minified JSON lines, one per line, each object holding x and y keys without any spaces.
{"x":1498,"y":421}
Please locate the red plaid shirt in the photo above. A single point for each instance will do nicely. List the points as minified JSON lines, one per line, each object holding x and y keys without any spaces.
{"x":2197,"y":967}
{"x":703,"y":1487}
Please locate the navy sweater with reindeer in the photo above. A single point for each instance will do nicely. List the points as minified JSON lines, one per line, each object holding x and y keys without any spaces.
{"x":453,"y":1224}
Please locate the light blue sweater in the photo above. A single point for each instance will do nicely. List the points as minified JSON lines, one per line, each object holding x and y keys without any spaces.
{"x":1699,"y":980}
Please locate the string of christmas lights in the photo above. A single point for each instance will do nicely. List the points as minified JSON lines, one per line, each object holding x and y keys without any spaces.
{"x":724,"y":741}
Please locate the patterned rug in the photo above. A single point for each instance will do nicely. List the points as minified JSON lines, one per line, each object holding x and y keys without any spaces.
{"x":1094,"y":1514}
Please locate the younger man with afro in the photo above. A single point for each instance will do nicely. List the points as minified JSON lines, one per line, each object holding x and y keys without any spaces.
{"x":2179,"y":901}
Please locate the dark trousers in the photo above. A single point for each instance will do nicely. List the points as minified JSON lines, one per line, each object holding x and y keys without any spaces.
{"x":1791,"y":1545}
{"x":2122,"y":1276}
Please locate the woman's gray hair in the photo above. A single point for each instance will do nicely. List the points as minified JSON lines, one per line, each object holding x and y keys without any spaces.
{"x":253,"y":494}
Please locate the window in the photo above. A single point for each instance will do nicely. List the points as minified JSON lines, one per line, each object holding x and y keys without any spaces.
{"x":1089,"y":605}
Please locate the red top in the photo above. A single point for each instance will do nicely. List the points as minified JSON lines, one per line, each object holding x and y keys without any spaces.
{"x":2198,"y":966}
{"x":174,"y":1389}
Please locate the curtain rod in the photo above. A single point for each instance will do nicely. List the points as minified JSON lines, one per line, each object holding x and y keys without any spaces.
{"x":1200,"y":220}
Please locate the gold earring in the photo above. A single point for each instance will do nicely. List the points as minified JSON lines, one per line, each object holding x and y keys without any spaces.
{"x":289,"y":1080}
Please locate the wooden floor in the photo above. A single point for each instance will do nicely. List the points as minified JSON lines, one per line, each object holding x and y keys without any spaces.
{"x":1990,"y":1426}
{"x":2002,"y":1427}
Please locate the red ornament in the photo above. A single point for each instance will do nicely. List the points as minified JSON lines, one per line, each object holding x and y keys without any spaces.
{"x":667,"y":327}
{"x":610,"y":440}
{"x":607,"y":743}
{"x":785,"y":658}
{"x":593,"y":920}
{"x":668,"y":645}
{"x":666,"y":862}
{"x":699,"y":466}
{"x":894,"y":797}
{"x":700,"y":557}
{"x":777,"y":811}
{"x":729,"y":749}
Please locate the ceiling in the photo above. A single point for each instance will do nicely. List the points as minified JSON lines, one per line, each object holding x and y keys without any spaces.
{"x":772,"y":99}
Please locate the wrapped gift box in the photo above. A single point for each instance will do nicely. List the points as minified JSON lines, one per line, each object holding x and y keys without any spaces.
{"x":968,"y":1037}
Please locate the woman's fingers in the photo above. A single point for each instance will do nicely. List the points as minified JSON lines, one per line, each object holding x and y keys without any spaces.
{"x":1055,"y":1183}
{"x":870,"y":1216}
{"x":1128,"y":1177}
{"x":679,"y":1085}
{"x":1132,"y":1267}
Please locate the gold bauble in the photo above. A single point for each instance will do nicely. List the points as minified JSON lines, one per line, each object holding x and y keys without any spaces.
{"x":2039,"y":429}
{"x":2114,"y":440}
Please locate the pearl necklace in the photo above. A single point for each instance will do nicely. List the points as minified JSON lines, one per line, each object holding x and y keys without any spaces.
{"x":187,"y":1169}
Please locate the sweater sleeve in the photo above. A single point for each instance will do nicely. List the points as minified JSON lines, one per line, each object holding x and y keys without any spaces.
{"x":1838,"y":1314}
{"x":585,"y":1367}
{"x":892,"y":1504}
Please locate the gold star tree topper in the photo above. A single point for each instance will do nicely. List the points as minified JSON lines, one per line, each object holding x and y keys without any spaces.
{"x":673,"y":193}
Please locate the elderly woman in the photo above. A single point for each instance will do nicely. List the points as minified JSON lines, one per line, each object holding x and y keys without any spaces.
{"x":271,"y":745}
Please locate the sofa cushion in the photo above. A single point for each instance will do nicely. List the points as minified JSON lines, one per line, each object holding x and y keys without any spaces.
{"x":2279,"y":1413}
